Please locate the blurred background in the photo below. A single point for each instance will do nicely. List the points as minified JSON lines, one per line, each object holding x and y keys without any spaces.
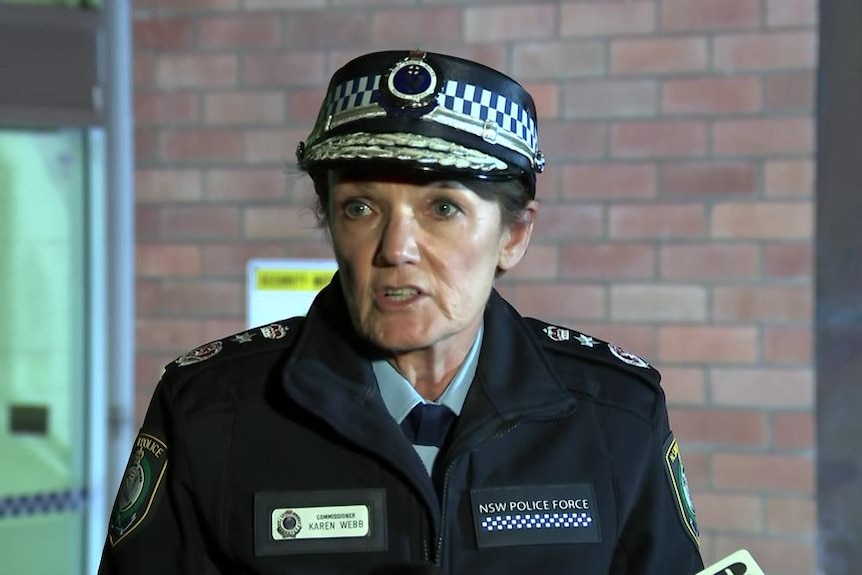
{"x":146,"y":155}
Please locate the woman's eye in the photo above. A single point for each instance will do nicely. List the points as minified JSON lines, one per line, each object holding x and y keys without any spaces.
{"x":356,"y":209}
{"x":445,"y":208}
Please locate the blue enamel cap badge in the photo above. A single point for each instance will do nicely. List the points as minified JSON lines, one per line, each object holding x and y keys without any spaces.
{"x":429,"y":112}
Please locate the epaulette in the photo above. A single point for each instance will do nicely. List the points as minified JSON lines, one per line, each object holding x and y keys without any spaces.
{"x":262,"y":339}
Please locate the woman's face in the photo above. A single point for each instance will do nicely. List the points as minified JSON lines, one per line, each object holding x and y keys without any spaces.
{"x":417,"y":260}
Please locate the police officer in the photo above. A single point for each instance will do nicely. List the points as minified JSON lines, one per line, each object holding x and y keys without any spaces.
{"x":413,"y":416}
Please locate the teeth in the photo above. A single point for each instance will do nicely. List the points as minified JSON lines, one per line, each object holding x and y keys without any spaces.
{"x":401,"y":293}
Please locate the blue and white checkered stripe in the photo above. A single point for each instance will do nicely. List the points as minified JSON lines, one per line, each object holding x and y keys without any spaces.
{"x":42,"y":503}
{"x":485,"y":105}
{"x":466,"y":99}
{"x":493,"y":523}
{"x":356,"y":93}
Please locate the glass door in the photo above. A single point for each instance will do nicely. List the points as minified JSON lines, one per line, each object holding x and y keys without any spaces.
{"x":44,"y":334}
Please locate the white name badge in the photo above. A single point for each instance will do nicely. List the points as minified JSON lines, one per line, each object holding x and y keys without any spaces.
{"x":334,"y":521}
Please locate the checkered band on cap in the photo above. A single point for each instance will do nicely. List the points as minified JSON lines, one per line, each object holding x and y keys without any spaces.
{"x":431,"y":100}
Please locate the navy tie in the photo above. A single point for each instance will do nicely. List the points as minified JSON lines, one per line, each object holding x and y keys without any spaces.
{"x":428,"y":424}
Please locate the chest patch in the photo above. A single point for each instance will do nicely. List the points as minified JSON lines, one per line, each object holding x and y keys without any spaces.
{"x":294,"y":522}
{"x":535,"y":515}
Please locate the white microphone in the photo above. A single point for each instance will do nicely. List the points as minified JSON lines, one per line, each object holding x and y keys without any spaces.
{"x":739,"y":563}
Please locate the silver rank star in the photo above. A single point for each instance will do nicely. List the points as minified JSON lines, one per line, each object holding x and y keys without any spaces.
{"x":243,"y":337}
{"x":586,"y":340}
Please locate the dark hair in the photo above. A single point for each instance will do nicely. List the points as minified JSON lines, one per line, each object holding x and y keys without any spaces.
{"x":511,"y":195}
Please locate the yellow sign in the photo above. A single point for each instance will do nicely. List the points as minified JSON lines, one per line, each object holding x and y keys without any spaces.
{"x":292,"y":279}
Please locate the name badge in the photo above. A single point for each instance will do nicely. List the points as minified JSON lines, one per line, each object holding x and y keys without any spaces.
{"x":535,"y":515}
{"x":339,"y":521}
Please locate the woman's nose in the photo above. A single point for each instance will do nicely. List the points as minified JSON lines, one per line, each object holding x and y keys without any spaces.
{"x":398,"y":242}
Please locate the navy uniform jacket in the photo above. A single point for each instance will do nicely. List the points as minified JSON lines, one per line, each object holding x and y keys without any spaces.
{"x":271,"y":451}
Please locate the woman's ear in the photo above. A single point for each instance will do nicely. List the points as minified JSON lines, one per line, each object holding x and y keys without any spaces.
{"x":516,"y":238}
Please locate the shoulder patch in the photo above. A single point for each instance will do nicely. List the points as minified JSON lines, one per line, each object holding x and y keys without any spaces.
{"x":139,"y":486}
{"x":249,"y":341}
{"x":679,"y":487}
{"x":571,"y":342}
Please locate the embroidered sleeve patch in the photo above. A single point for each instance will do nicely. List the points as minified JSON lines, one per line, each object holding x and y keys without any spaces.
{"x":679,"y":486}
{"x":139,"y":486}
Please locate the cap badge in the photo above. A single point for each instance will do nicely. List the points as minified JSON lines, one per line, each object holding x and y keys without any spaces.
{"x":411,"y":85}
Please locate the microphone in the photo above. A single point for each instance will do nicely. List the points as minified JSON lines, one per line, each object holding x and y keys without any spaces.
{"x":739,"y":563}
{"x":406,"y":569}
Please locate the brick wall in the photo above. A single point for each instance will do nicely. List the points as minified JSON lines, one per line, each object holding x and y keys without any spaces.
{"x":676,"y":213}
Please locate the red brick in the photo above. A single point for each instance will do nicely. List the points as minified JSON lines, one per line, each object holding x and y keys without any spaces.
{"x":709,"y":178}
{"x":546,"y":96}
{"x":187,"y":5}
{"x":763,"y":51}
{"x":787,"y":344}
{"x":762,"y":220}
{"x":416,"y":26}
{"x":239,"y":31}
{"x":657,"y":221}
{"x":327,"y":29}
{"x":726,"y":512}
{"x":708,"y":15}
{"x":559,"y":302}
{"x":208,"y":299}
{"x":658,"y":55}
{"x":553,"y":60}
{"x":711,"y":344}
{"x":318,"y":248}
{"x":246,"y":184}
{"x":146,"y":297}
{"x":599,"y":19}
{"x":277,"y":222}
{"x":698,"y":468}
{"x":196,"y":71}
{"x":199,"y":222}
{"x":610,"y":98}
{"x":791,"y":12}
{"x":229,"y":260}
{"x":638,"y":339}
{"x":787,"y":557}
{"x":231,"y":108}
{"x":788,"y":260}
{"x":762,"y":303}
{"x":304,"y":104}
{"x":540,"y":263}
{"x":272,"y":145}
{"x":709,"y":261}
{"x":744,"y":427}
{"x":793,"y":430}
{"x":166,"y":185}
{"x":146,"y":223}
{"x":576,"y":140}
{"x":145,"y":70}
{"x":163,"y":34}
{"x":789,"y":178}
{"x":613,"y":260}
{"x":167,"y":334}
{"x":658,"y":139}
{"x":548,"y":184}
{"x":609,"y":181}
{"x":221,"y":328}
{"x":564,"y":221}
{"x":768,"y":388}
{"x":166,"y":108}
{"x":683,"y":386}
{"x":498,"y":23}
{"x":714,"y":95}
{"x":280,"y":4}
{"x":280,"y":69}
{"x":146,"y":145}
{"x":791,"y":515}
{"x":368,"y":3}
{"x":763,"y":136}
{"x":657,"y":302}
{"x":776,"y":473}
{"x":790,"y":92}
{"x":201,"y":145}
{"x":167,"y":260}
